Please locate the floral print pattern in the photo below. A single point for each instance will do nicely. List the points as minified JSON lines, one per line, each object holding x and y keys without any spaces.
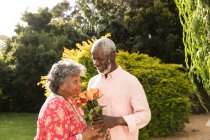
{"x":59,"y":120}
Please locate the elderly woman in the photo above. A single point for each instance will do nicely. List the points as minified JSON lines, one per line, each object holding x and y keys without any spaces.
{"x":59,"y":118}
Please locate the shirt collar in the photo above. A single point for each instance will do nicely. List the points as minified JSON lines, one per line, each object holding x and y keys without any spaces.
{"x":112,"y":74}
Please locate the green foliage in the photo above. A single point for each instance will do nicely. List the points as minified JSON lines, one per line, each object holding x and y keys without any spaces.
{"x":32,"y":52}
{"x":156,"y":31}
{"x":150,"y":27}
{"x":5,"y":80}
{"x":91,"y":70}
{"x":59,"y":10}
{"x":38,"y":21}
{"x":195,"y":19}
{"x":168,"y":91}
{"x":34,"y":56}
{"x":91,"y":109}
{"x":85,"y":18}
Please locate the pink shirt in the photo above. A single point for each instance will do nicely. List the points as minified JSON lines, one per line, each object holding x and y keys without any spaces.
{"x":59,"y":120}
{"x":123,"y":96}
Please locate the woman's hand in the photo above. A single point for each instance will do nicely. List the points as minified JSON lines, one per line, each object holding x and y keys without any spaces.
{"x":91,"y":134}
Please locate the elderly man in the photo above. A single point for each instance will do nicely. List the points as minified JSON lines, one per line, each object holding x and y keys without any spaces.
{"x":126,"y":108}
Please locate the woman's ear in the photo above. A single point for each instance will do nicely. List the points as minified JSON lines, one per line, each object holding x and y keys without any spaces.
{"x":61,"y":87}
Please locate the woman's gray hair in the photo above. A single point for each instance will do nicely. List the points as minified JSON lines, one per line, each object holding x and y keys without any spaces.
{"x":105,"y":43}
{"x":62,"y":70}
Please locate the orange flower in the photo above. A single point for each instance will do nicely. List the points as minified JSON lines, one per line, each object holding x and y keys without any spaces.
{"x":87,"y":96}
{"x":77,"y":102}
{"x":93,"y":93}
{"x":88,"y":101}
{"x":83,"y":100}
{"x":83,"y":94}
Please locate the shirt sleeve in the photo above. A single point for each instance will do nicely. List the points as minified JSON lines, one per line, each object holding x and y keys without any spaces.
{"x":57,"y":122}
{"x":141,"y":112}
{"x":90,"y":83}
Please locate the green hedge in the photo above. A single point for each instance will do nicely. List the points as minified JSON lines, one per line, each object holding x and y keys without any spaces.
{"x":168,"y":91}
{"x":167,"y":88}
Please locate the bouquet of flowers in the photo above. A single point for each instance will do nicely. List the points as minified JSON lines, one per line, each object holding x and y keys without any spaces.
{"x":88,"y":101}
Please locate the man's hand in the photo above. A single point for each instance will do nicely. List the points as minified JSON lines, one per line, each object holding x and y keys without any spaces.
{"x":104,"y":122}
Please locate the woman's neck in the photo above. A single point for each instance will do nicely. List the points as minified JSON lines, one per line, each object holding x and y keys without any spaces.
{"x":63,"y":95}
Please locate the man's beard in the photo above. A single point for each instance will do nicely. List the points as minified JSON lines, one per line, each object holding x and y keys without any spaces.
{"x":107,"y":70}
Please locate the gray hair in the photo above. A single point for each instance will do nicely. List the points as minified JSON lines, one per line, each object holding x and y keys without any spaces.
{"x":106,"y":44}
{"x":62,"y":70}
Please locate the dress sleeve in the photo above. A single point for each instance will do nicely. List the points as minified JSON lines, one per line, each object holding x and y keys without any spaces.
{"x":57,"y":122}
{"x":141,"y":112}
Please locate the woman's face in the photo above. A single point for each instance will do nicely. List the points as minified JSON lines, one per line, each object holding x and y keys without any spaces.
{"x":71,"y":87}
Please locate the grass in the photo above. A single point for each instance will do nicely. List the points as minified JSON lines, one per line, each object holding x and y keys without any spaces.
{"x":17,"y":126}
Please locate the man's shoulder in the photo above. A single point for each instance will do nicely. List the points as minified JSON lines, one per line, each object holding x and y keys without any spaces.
{"x":94,"y":77}
{"x":128,"y":74}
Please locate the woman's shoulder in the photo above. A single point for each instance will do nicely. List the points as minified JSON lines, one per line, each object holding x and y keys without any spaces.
{"x":53,"y":102}
{"x":56,"y":98}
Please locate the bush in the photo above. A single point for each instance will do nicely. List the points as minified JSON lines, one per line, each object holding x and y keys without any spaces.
{"x":5,"y":80}
{"x":168,"y":91}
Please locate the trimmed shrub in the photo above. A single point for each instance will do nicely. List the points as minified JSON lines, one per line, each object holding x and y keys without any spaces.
{"x":168,"y":91}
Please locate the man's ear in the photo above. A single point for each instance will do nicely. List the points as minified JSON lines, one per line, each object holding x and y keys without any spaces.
{"x":113,"y":56}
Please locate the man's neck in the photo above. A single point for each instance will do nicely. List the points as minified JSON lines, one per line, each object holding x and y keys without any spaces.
{"x":114,"y":67}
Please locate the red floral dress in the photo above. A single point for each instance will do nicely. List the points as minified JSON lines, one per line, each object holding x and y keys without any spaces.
{"x":59,"y":120}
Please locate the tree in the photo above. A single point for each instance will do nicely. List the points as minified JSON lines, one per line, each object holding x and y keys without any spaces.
{"x":33,"y":50}
{"x":5,"y":80}
{"x":195,"y":19}
{"x":155,"y":30}
{"x":61,"y":10}
{"x":151,"y":27}
{"x":38,"y":21}
{"x":85,"y":18}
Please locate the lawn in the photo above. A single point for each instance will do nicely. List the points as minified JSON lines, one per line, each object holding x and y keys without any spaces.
{"x":17,"y":126}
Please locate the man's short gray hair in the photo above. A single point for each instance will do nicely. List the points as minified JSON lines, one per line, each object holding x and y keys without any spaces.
{"x":62,"y":70}
{"x":107,"y":45}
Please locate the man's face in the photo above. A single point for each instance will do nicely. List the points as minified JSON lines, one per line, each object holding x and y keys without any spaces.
{"x":101,"y":61}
